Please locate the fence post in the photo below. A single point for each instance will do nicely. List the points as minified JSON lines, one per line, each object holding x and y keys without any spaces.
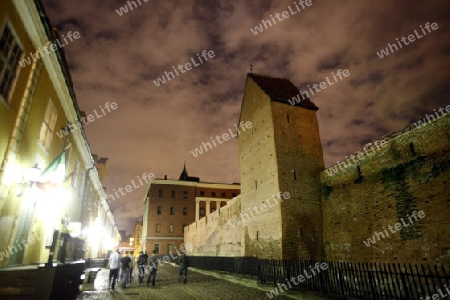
{"x":372,"y":286}
{"x":341,"y":280}
{"x":405,"y":285}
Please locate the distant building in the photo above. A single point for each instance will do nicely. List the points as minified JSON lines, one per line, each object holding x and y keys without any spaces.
{"x":137,"y":236}
{"x":170,"y":205}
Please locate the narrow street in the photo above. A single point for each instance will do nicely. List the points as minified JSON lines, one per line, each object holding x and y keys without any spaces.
{"x":201,"y":286}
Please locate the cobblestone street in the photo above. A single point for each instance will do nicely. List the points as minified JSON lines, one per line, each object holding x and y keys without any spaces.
{"x":201,"y":285}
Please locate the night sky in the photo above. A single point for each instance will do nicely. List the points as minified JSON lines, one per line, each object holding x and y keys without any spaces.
{"x":154,"y":129}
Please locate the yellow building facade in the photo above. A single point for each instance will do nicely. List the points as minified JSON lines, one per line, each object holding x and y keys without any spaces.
{"x":48,"y":179}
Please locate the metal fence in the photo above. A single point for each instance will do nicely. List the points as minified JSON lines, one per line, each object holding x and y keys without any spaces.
{"x":238,"y":265}
{"x":348,"y":279}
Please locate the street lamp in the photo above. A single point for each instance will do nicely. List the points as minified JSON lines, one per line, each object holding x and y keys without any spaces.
{"x":32,"y":174}
{"x":29,"y":177}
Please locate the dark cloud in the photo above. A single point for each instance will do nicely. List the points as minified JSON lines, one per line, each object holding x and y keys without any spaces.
{"x":155,"y":128}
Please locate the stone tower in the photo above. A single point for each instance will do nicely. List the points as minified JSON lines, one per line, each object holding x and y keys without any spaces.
{"x":281,"y":153}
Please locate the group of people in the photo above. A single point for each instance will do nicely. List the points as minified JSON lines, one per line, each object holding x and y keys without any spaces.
{"x":125,"y":263}
{"x":117,"y":263}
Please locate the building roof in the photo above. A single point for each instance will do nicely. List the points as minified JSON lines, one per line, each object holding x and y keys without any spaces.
{"x":280,"y":90}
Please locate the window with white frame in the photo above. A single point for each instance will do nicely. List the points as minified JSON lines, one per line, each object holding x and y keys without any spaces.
{"x":48,"y":126}
{"x":10,"y":54}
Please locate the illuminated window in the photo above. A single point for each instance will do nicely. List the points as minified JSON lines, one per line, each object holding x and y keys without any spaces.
{"x":10,"y":53}
{"x":48,"y":126}
{"x":170,"y":228}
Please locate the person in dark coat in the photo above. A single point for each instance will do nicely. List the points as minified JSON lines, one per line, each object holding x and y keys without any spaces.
{"x":183,"y":260}
{"x":125,"y":270}
{"x":142,"y":261}
{"x":153,"y":265}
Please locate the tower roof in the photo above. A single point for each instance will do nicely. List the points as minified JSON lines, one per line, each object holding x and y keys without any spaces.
{"x":281,"y":90}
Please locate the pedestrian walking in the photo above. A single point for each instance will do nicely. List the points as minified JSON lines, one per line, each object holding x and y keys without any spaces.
{"x":183,"y":260}
{"x":153,"y":265}
{"x":113,"y":263}
{"x":131,"y":265}
{"x":125,"y":270}
{"x":142,"y":261}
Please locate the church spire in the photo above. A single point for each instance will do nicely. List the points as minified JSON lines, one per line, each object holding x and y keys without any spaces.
{"x":185,"y":176}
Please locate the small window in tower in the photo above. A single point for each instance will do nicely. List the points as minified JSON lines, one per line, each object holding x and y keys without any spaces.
{"x":288,"y":118}
{"x":184,"y":210}
{"x":294,"y":174}
{"x":256,"y":184}
{"x":185,"y":194}
{"x":223,"y":195}
{"x":202,"y":193}
{"x":160,"y":193}
{"x":411,"y":147}
{"x":359,"y":177}
{"x":213,"y":194}
{"x":172,"y":210}
{"x":172,"y":194}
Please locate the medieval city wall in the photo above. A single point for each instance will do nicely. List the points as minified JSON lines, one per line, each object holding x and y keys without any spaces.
{"x":217,"y":234}
{"x":409,"y":172}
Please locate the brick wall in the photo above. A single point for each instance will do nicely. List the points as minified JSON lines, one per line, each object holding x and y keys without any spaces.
{"x":411,"y":172}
